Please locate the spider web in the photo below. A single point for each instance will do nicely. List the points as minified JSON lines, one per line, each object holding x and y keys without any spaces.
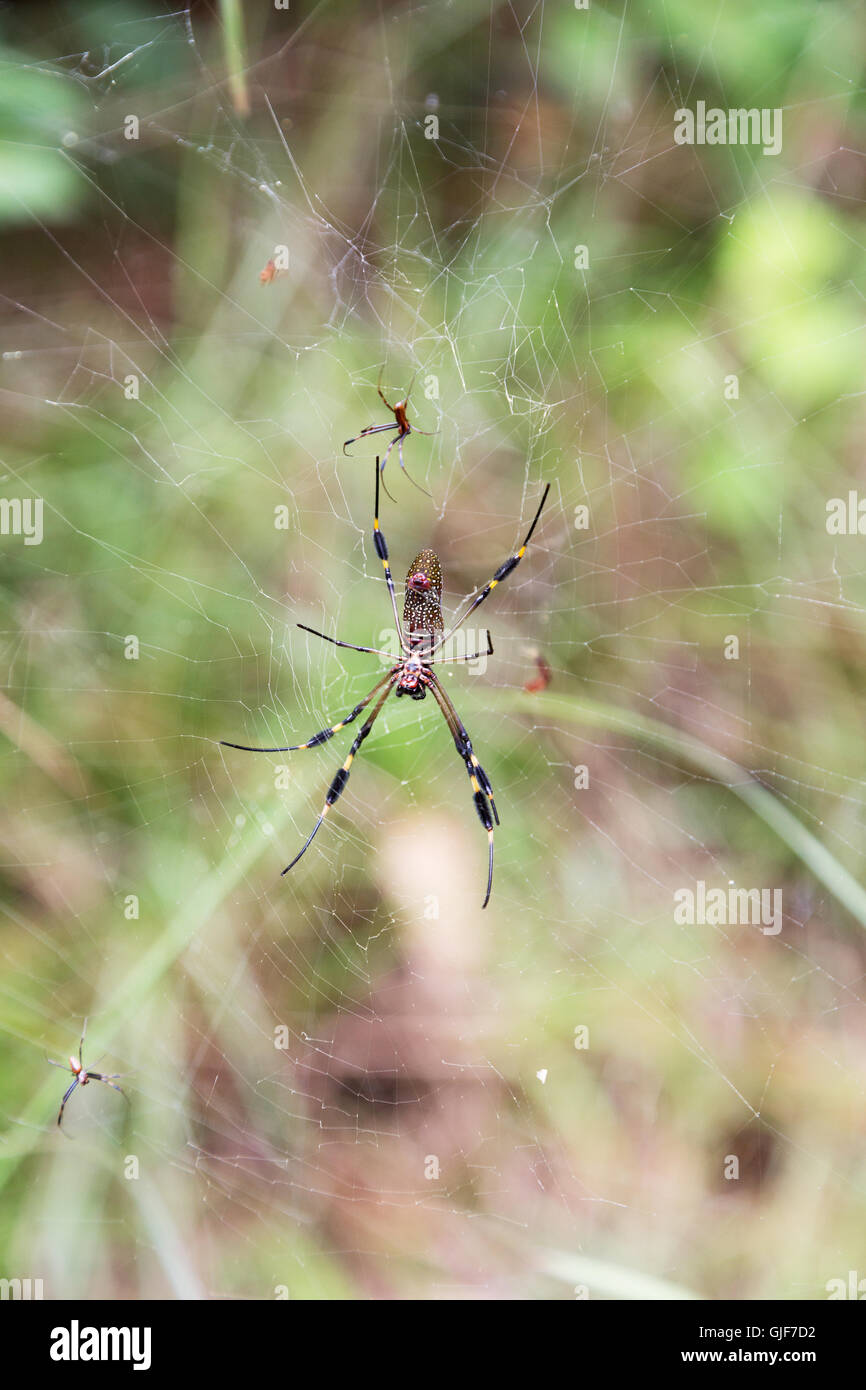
{"x":349,"y":1081}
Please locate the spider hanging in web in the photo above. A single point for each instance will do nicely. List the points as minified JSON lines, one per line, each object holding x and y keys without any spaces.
{"x":413,"y":674}
{"x":403,"y":428}
{"x":82,"y":1076}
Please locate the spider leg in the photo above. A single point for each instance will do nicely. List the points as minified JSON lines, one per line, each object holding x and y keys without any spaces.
{"x":382,"y":551}
{"x":371,"y":429}
{"x":375,"y":651}
{"x":321,"y":737}
{"x":482,"y":792}
{"x":443,"y":660}
{"x":338,"y":784}
{"x":109,"y":1081}
{"x":398,"y":438}
{"x":412,"y":429}
{"x":399,"y":442}
{"x":382,"y":395}
{"x":463,"y":744}
{"x":502,"y":573}
{"x":81,"y":1044}
{"x":64,"y":1066}
{"x":65,"y":1099}
{"x":411,"y":386}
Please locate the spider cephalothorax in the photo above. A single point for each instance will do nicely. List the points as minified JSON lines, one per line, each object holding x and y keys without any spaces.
{"x":422,"y":638}
{"x":411,"y":678}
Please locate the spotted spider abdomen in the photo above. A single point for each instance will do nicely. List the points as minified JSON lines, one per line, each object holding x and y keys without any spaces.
{"x":422,"y":607}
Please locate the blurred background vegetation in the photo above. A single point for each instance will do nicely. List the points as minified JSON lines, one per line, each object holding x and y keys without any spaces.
{"x":429,"y":1127}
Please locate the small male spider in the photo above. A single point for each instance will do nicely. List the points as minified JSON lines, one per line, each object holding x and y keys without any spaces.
{"x":413,"y":674}
{"x":82,"y":1076}
{"x":401,"y":425}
